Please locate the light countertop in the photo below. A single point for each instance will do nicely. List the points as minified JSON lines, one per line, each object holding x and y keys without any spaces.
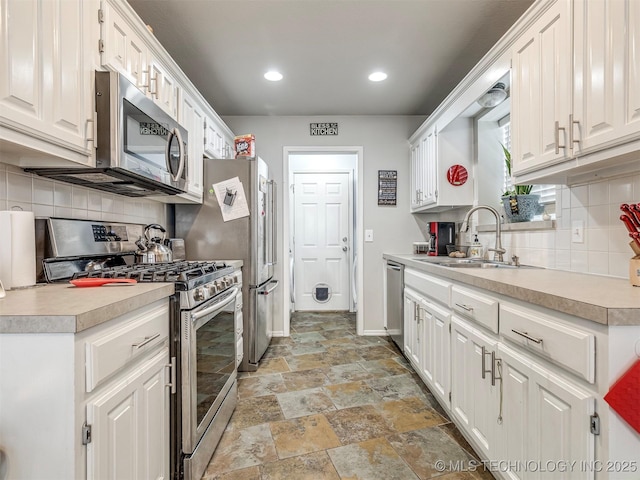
{"x":63,"y":308}
{"x":605,"y":300}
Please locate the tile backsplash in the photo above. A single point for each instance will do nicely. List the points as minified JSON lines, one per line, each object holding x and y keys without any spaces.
{"x":604,"y":249}
{"x":49,"y":198}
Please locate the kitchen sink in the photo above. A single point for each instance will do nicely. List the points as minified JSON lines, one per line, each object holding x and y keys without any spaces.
{"x":473,"y":263}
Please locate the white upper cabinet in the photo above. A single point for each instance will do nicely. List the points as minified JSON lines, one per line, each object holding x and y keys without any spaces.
{"x":163,"y":88}
{"x":540,"y":92}
{"x":441,"y":166}
{"x":576,"y":91}
{"x":218,"y":138}
{"x":46,"y":86}
{"x":123,"y":50}
{"x":129,"y":48}
{"x":193,"y":119}
{"x":607,"y":76}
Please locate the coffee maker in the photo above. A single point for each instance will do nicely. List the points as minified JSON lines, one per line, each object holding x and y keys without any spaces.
{"x":441,"y":234}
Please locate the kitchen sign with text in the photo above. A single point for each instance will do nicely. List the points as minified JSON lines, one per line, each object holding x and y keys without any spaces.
{"x":323,"y":129}
{"x":387,"y":187}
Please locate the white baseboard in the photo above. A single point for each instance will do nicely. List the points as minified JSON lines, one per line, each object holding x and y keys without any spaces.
{"x":375,"y":333}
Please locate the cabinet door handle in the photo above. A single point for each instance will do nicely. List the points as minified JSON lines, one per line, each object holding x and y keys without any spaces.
{"x":527,"y":336}
{"x":572,"y":139}
{"x":484,"y":363}
{"x":495,"y":361}
{"x":91,"y":138}
{"x":172,"y":375}
{"x":557,"y":139}
{"x":145,"y":341}
{"x":148,"y":85}
{"x":464,"y":307}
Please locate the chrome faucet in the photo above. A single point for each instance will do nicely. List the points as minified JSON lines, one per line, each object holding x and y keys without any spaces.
{"x":498,"y":252}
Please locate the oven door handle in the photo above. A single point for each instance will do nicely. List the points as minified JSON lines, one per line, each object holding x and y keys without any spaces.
{"x":229,"y":297}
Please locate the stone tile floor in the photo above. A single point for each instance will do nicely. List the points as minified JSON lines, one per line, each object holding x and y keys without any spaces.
{"x":326,"y":404}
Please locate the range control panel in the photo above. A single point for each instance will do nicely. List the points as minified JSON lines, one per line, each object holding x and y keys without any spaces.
{"x":109,"y":233}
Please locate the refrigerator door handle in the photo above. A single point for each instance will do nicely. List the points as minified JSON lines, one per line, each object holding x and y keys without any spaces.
{"x":274,"y":223}
{"x":267,"y":291}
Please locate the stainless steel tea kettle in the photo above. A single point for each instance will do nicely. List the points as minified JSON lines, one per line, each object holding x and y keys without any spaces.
{"x":153,"y":249}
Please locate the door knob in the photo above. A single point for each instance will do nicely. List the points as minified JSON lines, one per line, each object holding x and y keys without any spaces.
{"x":344,"y":239}
{"x":344,"y":249}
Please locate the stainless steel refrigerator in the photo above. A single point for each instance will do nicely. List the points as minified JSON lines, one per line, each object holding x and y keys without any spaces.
{"x":251,"y":239}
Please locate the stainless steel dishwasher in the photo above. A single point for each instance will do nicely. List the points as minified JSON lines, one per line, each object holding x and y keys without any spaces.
{"x":394,"y":295}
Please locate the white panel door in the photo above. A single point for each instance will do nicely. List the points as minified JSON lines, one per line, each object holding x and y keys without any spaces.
{"x":607,"y":76}
{"x":45,"y":72}
{"x":130,"y":426}
{"x":474,"y":401}
{"x":541,"y":91}
{"x":321,"y":239}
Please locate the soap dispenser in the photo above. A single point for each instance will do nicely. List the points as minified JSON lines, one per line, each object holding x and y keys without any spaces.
{"x":476,"y":250}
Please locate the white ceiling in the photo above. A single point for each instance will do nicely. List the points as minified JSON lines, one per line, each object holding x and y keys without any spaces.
{"x":325,"y":49}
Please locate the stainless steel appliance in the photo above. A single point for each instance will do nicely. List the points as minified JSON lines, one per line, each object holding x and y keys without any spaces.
{"x":202,"y":343}
{"x":140,"y":149}
{"x":251,"y":239}
{"x":395,"y":303}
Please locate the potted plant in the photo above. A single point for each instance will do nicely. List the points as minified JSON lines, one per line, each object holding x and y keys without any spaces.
{"x":520,"y":205}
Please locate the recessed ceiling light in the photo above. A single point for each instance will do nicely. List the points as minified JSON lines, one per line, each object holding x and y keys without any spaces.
{"x":273,"y":76}
{"x":377,"y":76}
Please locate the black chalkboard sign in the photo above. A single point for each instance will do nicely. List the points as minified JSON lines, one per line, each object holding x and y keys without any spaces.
{"x":387,"y":187}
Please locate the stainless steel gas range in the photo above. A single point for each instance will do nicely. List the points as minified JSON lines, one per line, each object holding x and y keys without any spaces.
{"x":202,"y":343}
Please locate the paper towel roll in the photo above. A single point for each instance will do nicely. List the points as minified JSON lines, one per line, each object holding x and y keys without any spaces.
{"x":5,"y":249}
{"x":23,"y":249}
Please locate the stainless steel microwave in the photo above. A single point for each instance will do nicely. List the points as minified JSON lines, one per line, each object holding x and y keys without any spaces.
{"x":140,"y":149}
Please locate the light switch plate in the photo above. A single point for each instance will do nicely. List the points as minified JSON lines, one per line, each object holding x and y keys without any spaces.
{"x":577,"y":231}
{"x":368,"y":235}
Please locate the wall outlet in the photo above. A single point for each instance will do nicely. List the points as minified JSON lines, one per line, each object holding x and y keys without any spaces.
{"x":368,"y":235}
{"x":577,"y":231}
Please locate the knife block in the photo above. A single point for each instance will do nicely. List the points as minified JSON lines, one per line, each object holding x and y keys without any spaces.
{"x":634,"y":271}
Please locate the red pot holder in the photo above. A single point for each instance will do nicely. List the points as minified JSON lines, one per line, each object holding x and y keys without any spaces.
{"x":624,"y":396}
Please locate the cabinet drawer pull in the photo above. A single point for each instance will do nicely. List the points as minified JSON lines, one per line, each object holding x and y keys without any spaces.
{"x":527,"y":336}
{"x":464,"y":307}
{"x":145,"y":341}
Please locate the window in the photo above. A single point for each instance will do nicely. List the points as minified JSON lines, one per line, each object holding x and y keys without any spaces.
{"x":547,"y":192}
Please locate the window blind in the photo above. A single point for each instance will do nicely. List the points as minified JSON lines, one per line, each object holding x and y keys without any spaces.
{"x":547,"y":192}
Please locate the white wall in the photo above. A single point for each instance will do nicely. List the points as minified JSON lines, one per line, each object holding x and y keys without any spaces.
{"x":385,"y":143}
{"x":48,"y":198}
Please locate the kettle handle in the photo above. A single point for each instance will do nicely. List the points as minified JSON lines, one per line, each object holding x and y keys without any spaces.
{"x":156,"y":227}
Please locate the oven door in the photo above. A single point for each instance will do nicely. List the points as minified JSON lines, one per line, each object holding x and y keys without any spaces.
{"x":208,"y":367}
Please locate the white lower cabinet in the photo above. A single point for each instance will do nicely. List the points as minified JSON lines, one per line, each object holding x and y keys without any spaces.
{"x":128,"y":413}
{"x":129,"y":438}
{"x":474,"y":393}
{"x":426,"y":336}
{"x":545,"y":421}
{"x":413,"y":348}
{"x":96,"y":405}
{"x":519,"y":380}
{"x":440,"y":322}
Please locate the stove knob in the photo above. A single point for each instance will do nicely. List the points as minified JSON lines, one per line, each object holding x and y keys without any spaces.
{"x":212,"y":289}
{"x":219,"y":285}
{"x":198,"y":294}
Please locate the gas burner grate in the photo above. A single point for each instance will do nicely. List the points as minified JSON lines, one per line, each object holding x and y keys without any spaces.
{"x":179,"y":271}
